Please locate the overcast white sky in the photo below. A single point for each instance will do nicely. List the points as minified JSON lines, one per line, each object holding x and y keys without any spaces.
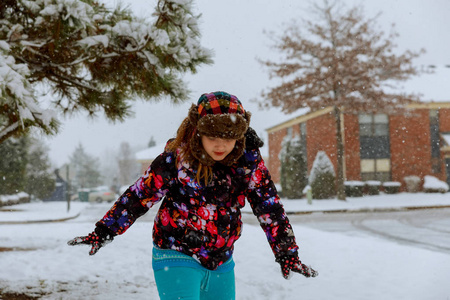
{"x":234,"y":30}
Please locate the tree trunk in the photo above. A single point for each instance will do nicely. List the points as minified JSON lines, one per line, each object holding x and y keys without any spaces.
{"x":340,"y":156}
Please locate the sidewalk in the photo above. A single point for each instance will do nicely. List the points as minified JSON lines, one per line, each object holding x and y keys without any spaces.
{"x":377,"y":203}
{"x":41,"y":212}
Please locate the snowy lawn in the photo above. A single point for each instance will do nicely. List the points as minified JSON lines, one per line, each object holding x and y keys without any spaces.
{"x":349,"y":267}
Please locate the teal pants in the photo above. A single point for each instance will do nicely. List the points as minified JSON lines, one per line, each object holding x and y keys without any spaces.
{"x":185,"y":281}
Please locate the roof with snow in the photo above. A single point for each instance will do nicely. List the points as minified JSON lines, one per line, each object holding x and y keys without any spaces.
{"x":149,"y":153}
{"x":446,"y":138}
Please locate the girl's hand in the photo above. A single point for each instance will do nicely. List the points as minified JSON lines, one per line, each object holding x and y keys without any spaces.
{"x":292,"y":263}
{"x":94,"y":239}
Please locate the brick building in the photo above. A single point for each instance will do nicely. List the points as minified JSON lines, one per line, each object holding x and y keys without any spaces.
{"x":376,"y":147}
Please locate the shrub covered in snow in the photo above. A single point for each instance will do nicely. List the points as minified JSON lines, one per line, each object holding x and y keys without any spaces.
{"x":354,"y":188}
{"x":433,"y":185}
{"x":322,"y":177}
{"x":18,"y":198}
{"x":293,"y":168}
{"x":372,"y":187}
{"x":412,"y":183}
{"x":391,"y":187}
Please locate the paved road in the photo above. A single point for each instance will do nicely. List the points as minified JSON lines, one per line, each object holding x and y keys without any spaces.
{"x":428,"y":228}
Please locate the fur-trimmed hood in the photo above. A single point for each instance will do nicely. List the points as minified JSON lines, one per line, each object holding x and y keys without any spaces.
{"x":221,"y":115}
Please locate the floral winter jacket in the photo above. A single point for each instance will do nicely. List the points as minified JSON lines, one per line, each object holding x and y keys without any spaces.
{"x":204,"y":221}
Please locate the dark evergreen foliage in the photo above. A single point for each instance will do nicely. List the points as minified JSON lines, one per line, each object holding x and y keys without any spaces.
{"x":89,"y":58}
{"x":25,"y":167}
{"x":293,"y":169}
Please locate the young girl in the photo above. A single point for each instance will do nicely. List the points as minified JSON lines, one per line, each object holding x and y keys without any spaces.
{"x":203,"y":177}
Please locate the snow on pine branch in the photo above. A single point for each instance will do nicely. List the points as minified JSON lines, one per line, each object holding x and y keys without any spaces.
{"x":184,"y":33}
{"x":180,"y":39}
{"x":139,"y":32}
{"x":74,"y":11}
{"x":95,"y":40}
{"x":17,"y":94}
{"x":57,"y":40}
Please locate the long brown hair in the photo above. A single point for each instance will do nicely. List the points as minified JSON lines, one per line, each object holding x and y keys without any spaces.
{"x":182,"y":142}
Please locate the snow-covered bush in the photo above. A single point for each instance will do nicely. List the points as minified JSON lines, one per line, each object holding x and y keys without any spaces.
{"x":372,"y":187}
{"x":354,"y":188}
{"x":18,"y":198}
{"x":293,"y":169}
{"x":412,"y":183}
{"x":434,"y":185}
{"x":322,"y":177}
{"x":391,"y":187}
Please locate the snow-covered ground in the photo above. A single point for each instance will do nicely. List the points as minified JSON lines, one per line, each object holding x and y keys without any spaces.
{"x":41,"y":212}
{"x":350,"y":267}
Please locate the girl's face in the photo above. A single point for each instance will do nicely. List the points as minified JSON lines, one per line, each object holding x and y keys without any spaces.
{"x":217,"y":148}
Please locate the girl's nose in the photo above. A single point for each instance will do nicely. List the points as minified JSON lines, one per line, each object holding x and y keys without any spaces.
{"x":221,"y":142}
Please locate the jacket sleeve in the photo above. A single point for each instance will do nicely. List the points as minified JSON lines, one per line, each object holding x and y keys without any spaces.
{"x":265,"y":202}
{"x":141,"y":196}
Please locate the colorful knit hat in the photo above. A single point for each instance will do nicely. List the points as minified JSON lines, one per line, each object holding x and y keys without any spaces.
{"x":219,"y":103}
{"x":221,"y":115}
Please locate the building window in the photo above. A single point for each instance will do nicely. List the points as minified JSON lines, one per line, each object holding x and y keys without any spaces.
{"x":376,"y":169}
{"x":435,"y":142}
{"x":375,"y":150}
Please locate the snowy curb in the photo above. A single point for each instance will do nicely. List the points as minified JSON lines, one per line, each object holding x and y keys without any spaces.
{"x":359,"y":210}
{"x":41,"y":212}
{"x":366,"y":210}
{"x":39,"y":221}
